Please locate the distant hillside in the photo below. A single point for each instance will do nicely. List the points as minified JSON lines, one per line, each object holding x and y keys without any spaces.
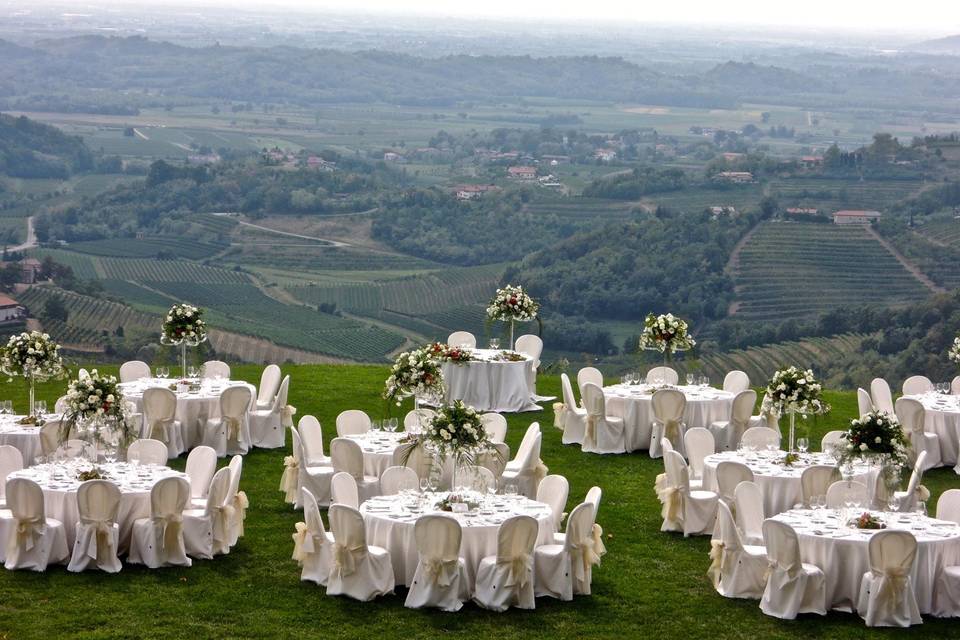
{"x":29,"y":149}
{"x":749,"y":78}
{"x":950,"y":45}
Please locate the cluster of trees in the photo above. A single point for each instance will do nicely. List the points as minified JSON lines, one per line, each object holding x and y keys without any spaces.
{"x":641,"y":181}
{"x":29,"y":149}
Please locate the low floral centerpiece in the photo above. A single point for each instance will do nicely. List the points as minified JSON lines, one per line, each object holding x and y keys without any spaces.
{"x":667,"y":334}
{"x":446,"y":503}
{"x":794,"y":390}
{"x":875,"y":437}
{"x":414,"y":373}
{"x":90,"y":474}
{"x":183,"y":326}
{"x":867,"y":520}
{"x":512,"y":304}
{"x":790,"y":459}
{"x":95,"y":407}
{"x":34,"y":356}
{"x":443,"y":352}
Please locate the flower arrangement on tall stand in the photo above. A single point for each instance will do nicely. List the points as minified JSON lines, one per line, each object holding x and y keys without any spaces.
{"x":667,"y":334}
{"x":953,"y":353}
{"x":184,"y":326}
{"x":34,"y":356}
{"x":512,"y":304}
{"x":414,"y":373}
{"x":97,"y":411}
{"x":793,"y":390}
{"x":457,"y":432}
{"x":876,"y":437}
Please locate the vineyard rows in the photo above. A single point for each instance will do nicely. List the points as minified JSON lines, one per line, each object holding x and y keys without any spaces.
{"x":148,"y":247}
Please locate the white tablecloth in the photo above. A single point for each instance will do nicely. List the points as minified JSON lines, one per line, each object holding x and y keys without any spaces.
{"x":390,"y":521}
{"x":779,"y":484}
{"x":633,"y":403}
{"x":59,"y":483}
{"x":26,"y":438}
{"x":489,"y":385}
{"x":942,"y":417}
{"x":378,"y":448}
{"x":841,"y":552}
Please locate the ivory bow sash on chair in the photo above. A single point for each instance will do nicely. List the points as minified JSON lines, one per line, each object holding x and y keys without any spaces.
{"x":590,"y":432}
{"x":305,"y":543}
{"x":346,"y":559}
{"x":160,"y":429}
{"x":172,"y":528}
{"x":892,"y":587}
{"x":671,"y":431}
{"x":240,"y":503}
{"x":518,"y":569}
{"x":540,"y":472}
{"x":100,"y":545}
{"x":672,"y":499}
{"x":221,"y":517}
{"x":590,"y":549}
{"x":290,"y":479}
{"x":716,"y":562}
{"x":28,"y":530}
{"x":286,"y":416}
{"x":442,"y":572}
{"x":559,"y":415}
{"x":233,"y":428}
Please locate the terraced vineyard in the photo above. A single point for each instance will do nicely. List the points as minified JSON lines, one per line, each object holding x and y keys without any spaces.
{"x":148,"y":270}
{"x":695,"y":199}
{"x":83,"y":266}
{"x":830,"y":195}
{"x":791,"y":270}
{"x":148,"y":247}
{"x":582,"y":209}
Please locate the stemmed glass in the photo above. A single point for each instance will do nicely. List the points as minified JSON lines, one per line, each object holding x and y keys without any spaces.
{"x":8,"y":406}
{"x":494,"y":343}
{"x":393,"y":424}
{"x":691,"y":379}
{"x":510,"y":489}
{"x":192,"y":371}
{"x":803,"y":444}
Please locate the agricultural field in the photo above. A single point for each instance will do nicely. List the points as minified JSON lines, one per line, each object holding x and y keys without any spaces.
{"x":790,"y":270}
{"x":831,"y":195}
{"x":148,"y":247}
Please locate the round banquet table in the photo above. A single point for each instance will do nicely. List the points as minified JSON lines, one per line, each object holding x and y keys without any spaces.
{"x":634,"y":403}
{"x":193,"y":407}
{"x":23,"y":437}
{"x":390,"y":522}
{"x":942,"y":417}
{"x":378,"y":448}
{"x":842,"y":551}
{"x":780,"y":485}
{"x":59,"y":483}
{"x":489,"y":384}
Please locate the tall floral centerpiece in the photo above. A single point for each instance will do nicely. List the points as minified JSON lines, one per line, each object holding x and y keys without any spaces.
{"x":512,"y":304}
{"x":34,"y":356}
{"x":414,"y":373}
{"x":793,"y":390}
{"x":954,"y":351}
{"x":96,"y":408}
{"x":876,"y":437}
{"x":456,"y":431}
{"x":667,"y":334}
{"x":184,"y":326}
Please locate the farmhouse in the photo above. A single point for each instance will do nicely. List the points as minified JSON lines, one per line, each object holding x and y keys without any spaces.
{"x":30,"y":269}
{"x":802,"y":211}
{"x":811,"y":162}
{"x":316,"y":162}
{"x":717,"y":211}
{"x":473,"y":191}
{"x":735,"y":177}
{"x":392,"y":156}
{"x":605,"y":155}
{"x":522,"y":173}
{"x":10,"y":310}
{"x":732,"y":157}
{"x":855,"y":217}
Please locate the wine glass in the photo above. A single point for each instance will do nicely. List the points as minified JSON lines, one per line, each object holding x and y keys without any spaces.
{"x":424,"y":484}
{"x":690,"y":379}
{"x":494,"y":343}
{"x":8,"y":406}
{"x":893,"y":503}
{"x":511,"y":489}
{"x":803,"y":444}
{"x":394,"y":424}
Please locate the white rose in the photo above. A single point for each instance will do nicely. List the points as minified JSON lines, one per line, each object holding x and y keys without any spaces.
{"x":864,"y":447}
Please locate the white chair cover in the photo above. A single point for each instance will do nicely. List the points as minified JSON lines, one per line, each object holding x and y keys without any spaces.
{"x":830,"y":440}
{"x":737,"y":570}
{"x":230,"y":433}
{"x":591,"y":375}
{"x":30,"y":539}
{"x":358,"y":570}
{"x":603,"y":433}
{"x":495,"y":461}
{"x":948,"y":506}
{"x":554,"y":490}
{"x":148,"y":451}
{"x":915,"y":385}
{"x":792,"y":586}
{"x":815,"y":480}
{"x":158,"y":541}
{"x":300,"y":475}
{"x":663,"y":375}
{"x":728,"y":433}
{"x":352,"y":422}
{"x":864,"y":402}
{"x":736,"y":382}
{"x":507,"y":579}
{"x":418,"y":419}
{"x":416,"y":457}
{"x":97,"y":531}
{"x":843,"y":491}
{"x":570,"y":417}
{"x":269,"y":385}
{"x":691,"y":511}
{"x":216,"y":369}
{"x":495,"y":425}
{"x":201,"y":465}
{"x":911,"y":414}
{"x":236,"y":499}
{"x":206,"y":531}
{"x":394,"y":479}
{"x":475,"y":478}
{"x":347,"y":455}
{"x":343,"y":490}
{"x":881,"y":396}
{"x":312,"y":545}
{"x":947,"y":593}
{"x":760,"y":438}
{"x":441,"y":577}
{"x":526,"y":470}
{"x":749,"y":501}
{"x":563,"y":570}
{"x":668,"y":408}
{"x":10,"y":460}
{"x":698,"y":443}
{"x":532,"y":346}
{"x":134,"y":370}
{"x":955,"y":386}
{"x":311,"y":439}
{"x":49,"y":437}
{"x":268,"y":425}
{"x":729,"y":475}
{"x":886,"y":596}
{"x":593,"y":497}
{"x":462,"y":339}
{"x":160,"y":422}
{"x":908,"y":499}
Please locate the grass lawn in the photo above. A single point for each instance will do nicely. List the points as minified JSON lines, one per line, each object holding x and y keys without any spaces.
{"x":651,"y":584}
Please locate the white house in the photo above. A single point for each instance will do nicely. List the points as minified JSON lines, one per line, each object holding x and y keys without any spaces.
{"x":855,"y":217}
{"x":10,"y":309}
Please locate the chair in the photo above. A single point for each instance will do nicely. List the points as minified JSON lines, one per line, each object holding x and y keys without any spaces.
{"x":907,"y":500}
{"x":554,"y":490}
{"x":948,"y":506}
{"x":572,"y":418}
{"x":97,"y":531}
{"x":737,"y":382}
{"x":230,"y":433}
{"x":343,"y":490}
{"x":563,"y":570}
{"x":738,"y":570}
{"x":532,"y":346}
{"x":698,"y":443}
{"x":917,"y":385}
{"x":815,"y":480}
{"x":727,"y":433}
{"x":496,"y":460}
{"x":955,"y":386}
{"x":475,"y":478}
{"x":30,"y":539}
{"x":49,"y":438}
{"x":134,"y":370}
{"x":507,"y":579}
{"x":793,"y":587}
{"x":216,"y":369}
{"x":269,"y":385}
{"x":591,"y":375}
{"x":201,"y":465}
{"x":947,"y":592}
{"x":359,"y":570}
{"x":593,"y":497}
{"x":462,"y":339}
{"x":440,"y":579}
{"x":393,"y":480}
{"x":668,"y":406}
{"x":352,"y":422}
{"x":760,"y":438}
{"x":749,"y":501}
{"x":160,"y":420}
{"x":148,"y":451}
{"x":312,"y":545}
{"x":692,"y":511}
{"x":311,"y":439}
{"x":416,"y":419}
{"x":316,"y":478}
{"x":158,"y":541}
{"x":886,"y":595}
{"x":830,"y":440}
{"x":495,"y":425}
{"x":77,"y":449}
{"x":10,"y":460}
{"x":206,"y":531}
{"x":237,"y":500}
{"x":911,"y":414}
{"x":62,"y":405}
{"x":662,"y":375}
{"x":881,"y":396}
{"x":603,"y":433}
{"x":416,"y":457}
{"x":864,"y":403}
{"x":526,"y":470}
{"x":844,"y":491}
{"x":267,"y":426}
{"x":347,"y":455}
{"x":729,"y":475}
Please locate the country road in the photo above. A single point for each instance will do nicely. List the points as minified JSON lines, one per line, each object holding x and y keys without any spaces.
{"x":31,"y":241}
{"x":332,"y":243}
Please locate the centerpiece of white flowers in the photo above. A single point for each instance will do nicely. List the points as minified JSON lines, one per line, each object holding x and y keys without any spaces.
{"x":794,"y":390}
{"x":414,"y":373}
{"x":183,"y":326}
{"x":954,"y":351}
{"x":512,"y":304}
{"x":667,"y":334}
{"x":34,"y":356}
{"x":95,"y":407}
{"x":876,"y":437}
{"x":456,"y":431}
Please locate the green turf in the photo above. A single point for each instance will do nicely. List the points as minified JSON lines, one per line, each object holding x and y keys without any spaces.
{"x":651,"y":584}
